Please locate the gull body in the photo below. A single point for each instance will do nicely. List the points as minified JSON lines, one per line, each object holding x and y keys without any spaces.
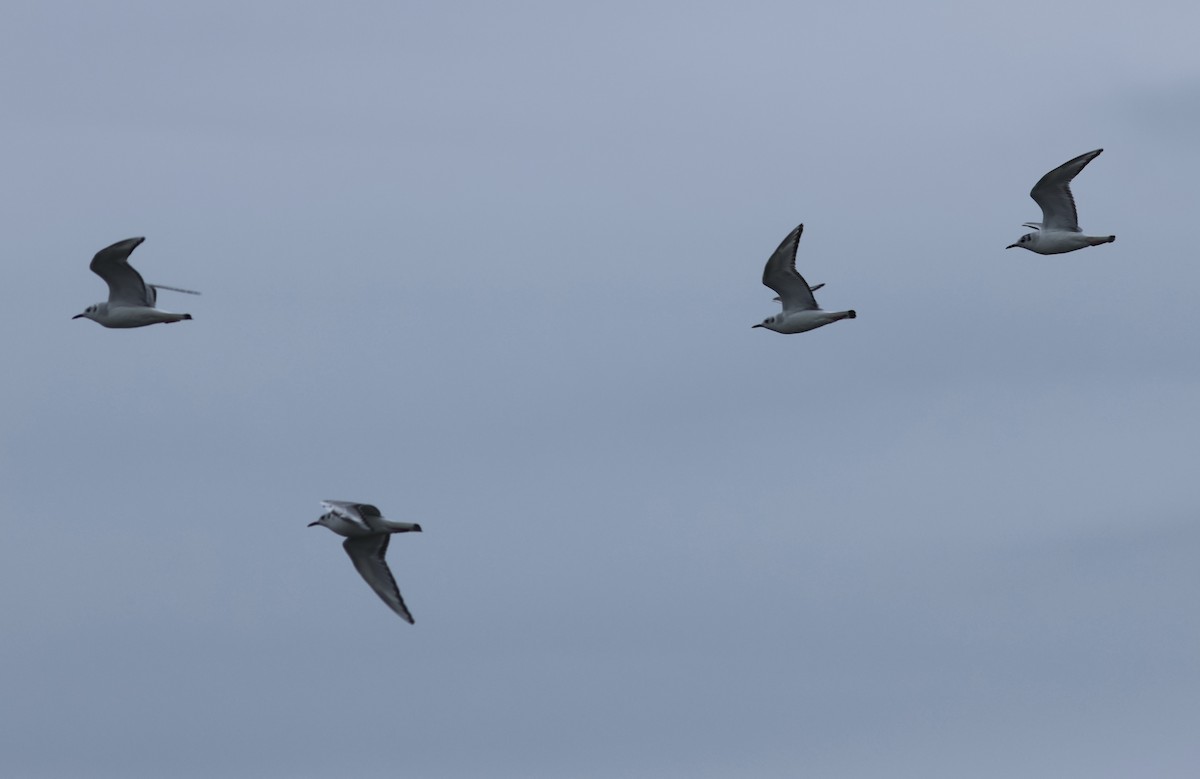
{"x":800,"y":310}
{"x":130,"y":299}
{"x":367,"y":534}
{"x":1059,"y":232}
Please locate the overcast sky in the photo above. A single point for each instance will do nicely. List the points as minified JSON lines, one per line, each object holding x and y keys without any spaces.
{"x":493,"y":268}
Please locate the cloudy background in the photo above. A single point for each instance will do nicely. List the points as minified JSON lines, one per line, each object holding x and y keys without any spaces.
{"x":493,"y":268}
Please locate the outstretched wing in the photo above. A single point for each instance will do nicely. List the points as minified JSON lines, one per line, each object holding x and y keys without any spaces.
{"x":781,"y":275}
{"x":367,"y":554}
{"x":1053,"y":194}
{"x":125,"y":285}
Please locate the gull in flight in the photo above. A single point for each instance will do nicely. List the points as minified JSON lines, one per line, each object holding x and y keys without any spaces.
{"x":800,"y":309}
{"x":130,"y":299}
{"x":367,"y":534}
{"x":1059,"y":231}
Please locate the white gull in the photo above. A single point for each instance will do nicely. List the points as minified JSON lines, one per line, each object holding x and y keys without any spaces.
{"x":130,"y":299}
{"x":1059,"y":231}
{"x":800,"y":309}
{"x":367,"y":534}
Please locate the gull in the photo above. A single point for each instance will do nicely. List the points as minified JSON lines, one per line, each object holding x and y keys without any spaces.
{"x":130,"y":299}
{"x":800,"y":309}
{"x":367,"y":534}
{"x":1059,"y":231}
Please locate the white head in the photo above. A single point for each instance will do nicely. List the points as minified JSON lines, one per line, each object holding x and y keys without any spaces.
{"x":93,"y":312}
{"x":1024,"y":242}
{"x":324,"y":520}
{"x":771,"y":323}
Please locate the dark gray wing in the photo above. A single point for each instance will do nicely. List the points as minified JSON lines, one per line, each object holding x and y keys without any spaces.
{"x":781,"y":275}
{"x":363,"y":514}
{"x":1053,"y":194}
{"x":371,"y":516}
{"x":360,"y":510}
{"x":813,"y":288}
{"x":125,"y":285}
{"x":367,"y":554}
{"x":366,"y":510}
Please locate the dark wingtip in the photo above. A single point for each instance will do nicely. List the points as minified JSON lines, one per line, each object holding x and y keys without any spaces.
{"x":852,"y":314}
{"x":1112,"y":238}
{"x":187,"y":316}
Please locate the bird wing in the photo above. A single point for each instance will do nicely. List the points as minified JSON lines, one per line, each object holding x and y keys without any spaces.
{"x":781,"y":275}
{"x":173,"y":289}
{"x":125,"y":285}
{"x":152,"y":291}
{"x":1053,"y":194}
{"x":367,"y":554}
{"x":812,"y":288}
{"x":362,"y":514}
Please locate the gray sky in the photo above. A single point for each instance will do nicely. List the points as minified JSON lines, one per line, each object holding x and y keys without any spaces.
{"x":494,"y":269}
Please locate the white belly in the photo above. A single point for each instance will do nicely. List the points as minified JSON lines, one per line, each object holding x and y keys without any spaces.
{"x":1058,"y":241}
{"x":136,"y":316}
{"x":803,"y":321}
